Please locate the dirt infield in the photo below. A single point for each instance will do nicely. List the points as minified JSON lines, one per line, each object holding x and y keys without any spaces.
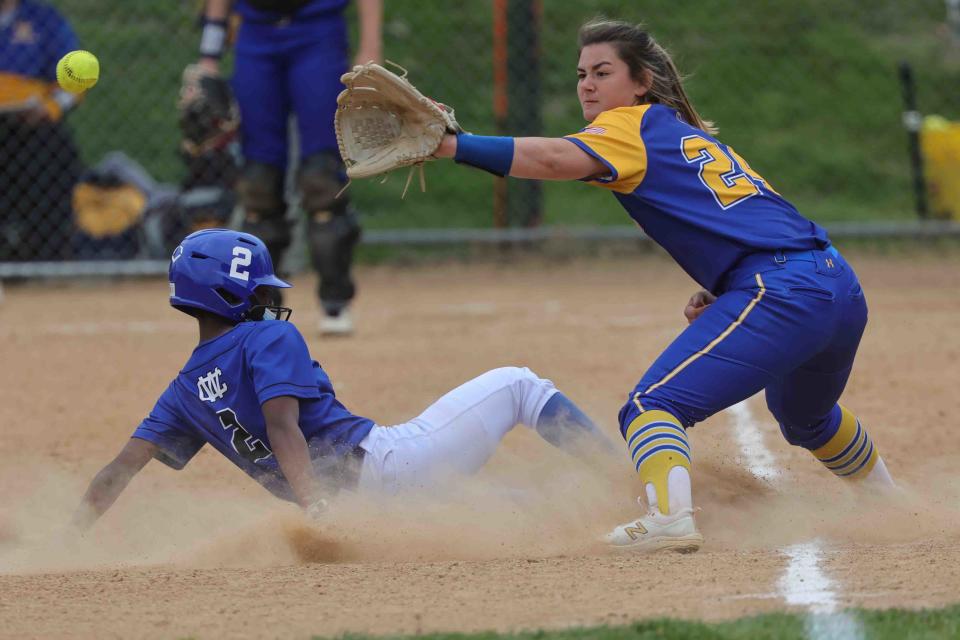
{"x":206,"y":553}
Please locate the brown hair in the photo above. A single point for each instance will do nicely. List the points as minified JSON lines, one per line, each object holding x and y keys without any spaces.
{"x":649,"y":63}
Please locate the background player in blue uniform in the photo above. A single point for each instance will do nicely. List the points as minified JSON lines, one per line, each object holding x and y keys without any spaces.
{"x":781,"y":310}
{"x":251,"y":391}
{"x":35,"y":213}
{"x":289,"y":57}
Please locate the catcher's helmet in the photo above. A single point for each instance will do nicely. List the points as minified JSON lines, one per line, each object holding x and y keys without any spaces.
{"x":217,"y":270}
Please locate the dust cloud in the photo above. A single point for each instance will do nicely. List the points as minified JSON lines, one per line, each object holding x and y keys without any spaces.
{"x":530,"y":501}
{"x":551,"y":505}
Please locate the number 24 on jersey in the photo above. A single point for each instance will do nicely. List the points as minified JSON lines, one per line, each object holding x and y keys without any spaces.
{"x":724,"y":173}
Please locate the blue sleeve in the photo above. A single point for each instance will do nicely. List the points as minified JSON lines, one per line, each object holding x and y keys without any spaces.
{"x":280,"y":364}
{"x":165,"y":428}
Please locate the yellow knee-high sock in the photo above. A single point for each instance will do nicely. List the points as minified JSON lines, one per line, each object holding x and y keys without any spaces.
{"x":850,"y":453}
{"x":657,"y":443}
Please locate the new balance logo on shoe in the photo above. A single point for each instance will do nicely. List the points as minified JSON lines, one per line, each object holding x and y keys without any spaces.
{"x":656,"y":531}
{"x":636,"y":530}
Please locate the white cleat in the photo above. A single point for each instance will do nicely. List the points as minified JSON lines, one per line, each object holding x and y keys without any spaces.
{"x":338,"y":325}
{"x":656,"y":531}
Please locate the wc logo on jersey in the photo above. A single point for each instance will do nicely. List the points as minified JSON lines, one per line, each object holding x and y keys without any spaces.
{"x":210,"y":387}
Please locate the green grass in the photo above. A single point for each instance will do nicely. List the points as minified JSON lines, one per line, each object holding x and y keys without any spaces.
{"x":806,"y":90}
{"x":891,"y":624}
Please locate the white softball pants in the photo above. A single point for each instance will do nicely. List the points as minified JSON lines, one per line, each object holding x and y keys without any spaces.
{"x":456,"y":435}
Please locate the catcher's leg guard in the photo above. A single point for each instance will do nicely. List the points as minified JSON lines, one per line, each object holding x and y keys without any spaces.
{"x":332,"y":228}
{"x":261,"y":193}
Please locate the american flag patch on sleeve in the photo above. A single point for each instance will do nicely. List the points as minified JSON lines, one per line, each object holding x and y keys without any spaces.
{"x":596,"y":130}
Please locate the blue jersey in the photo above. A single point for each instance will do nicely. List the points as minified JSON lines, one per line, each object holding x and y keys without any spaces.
{"x":217,"y":399}
{"x":310,"y":9}
{"x":32,"y":40}
{"x":693,"y":195}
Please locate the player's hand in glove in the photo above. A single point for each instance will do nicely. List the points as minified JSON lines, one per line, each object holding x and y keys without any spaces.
{"x":208,"y":113}
{"x":698,"y":304}
{"x":383,"y":123}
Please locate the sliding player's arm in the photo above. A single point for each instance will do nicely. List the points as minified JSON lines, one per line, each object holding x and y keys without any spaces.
{"x":282,"y":415}
{"x":110,"y":482}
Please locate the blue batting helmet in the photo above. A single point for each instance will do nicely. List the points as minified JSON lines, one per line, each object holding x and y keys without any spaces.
{"x":217,"y":270}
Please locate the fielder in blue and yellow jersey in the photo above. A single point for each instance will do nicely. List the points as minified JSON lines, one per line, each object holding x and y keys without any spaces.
{"x":252,"y":392}
{"x":654,"y":162}
{"x":781,"y":310}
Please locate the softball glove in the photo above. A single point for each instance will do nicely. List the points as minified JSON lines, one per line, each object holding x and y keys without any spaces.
{"x":383,"y":122}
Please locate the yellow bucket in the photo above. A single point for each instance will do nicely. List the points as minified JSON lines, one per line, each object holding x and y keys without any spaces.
{"x":940,"y":142}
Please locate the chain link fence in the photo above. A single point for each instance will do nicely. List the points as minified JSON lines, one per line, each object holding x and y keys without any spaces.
{"x":806,"y":90}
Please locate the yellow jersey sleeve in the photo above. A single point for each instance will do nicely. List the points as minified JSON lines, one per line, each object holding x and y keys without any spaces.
{"x":614,"y":139}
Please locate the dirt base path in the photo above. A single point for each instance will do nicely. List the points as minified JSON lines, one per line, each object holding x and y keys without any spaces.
{"x":206,"y":553}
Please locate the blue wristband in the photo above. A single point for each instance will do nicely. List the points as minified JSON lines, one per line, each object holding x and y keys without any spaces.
{"x":490,"y":153}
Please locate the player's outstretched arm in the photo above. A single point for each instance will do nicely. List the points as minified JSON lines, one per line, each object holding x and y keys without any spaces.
{"x":535,"y":158}
{"x":107,"y":485}
{"x":282,"y":415}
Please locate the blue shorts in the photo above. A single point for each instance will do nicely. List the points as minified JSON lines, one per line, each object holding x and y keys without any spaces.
{"x":788,"y":323}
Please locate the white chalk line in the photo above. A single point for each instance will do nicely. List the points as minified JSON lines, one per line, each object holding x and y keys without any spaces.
{"x":803,"y":583}
{"x":777,"y":595}
{"x":757,"y":457}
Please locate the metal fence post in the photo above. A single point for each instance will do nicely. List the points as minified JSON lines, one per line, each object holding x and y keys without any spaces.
{"x":913,"y":121}
{"x":517,"y":102}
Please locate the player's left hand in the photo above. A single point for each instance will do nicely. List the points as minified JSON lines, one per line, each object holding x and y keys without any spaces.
{"x":697,"y":304}
{"x":318,"y":511}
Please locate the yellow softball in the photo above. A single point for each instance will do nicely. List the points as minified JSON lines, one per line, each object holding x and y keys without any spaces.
{"x":78,"y":71}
